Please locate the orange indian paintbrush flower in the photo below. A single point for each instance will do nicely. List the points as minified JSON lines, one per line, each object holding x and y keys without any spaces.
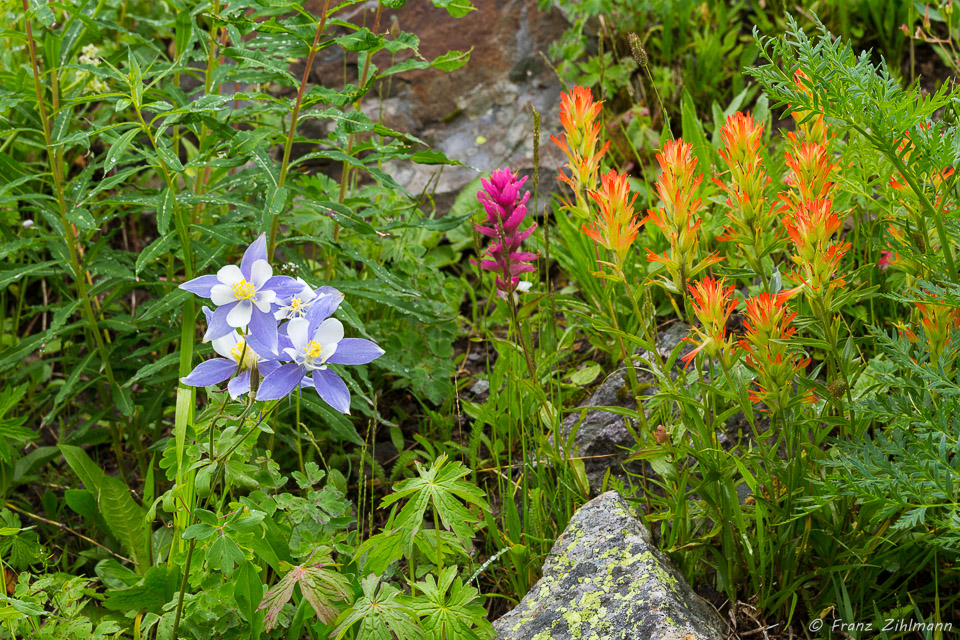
{"x":810,"y":171}
{"x":810,"y":226}
{"x":749,"y":217}
{"x":768,"y":329}
{"x":615,"y":225}
{"x":939,"y":322}
{"x":712,"y":304}
{"x":579,"y":117}
{"x":677,"y":218}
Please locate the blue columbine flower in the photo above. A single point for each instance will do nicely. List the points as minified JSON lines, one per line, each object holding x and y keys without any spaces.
{"x":238,"y":358}
{"x":312,"y":343}
{"x":245,"y":295}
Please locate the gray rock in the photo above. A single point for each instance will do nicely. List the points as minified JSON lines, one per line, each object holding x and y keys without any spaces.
{"x":480,"y":114}
{"x":603,"y":438}
{"x":606,"y":580}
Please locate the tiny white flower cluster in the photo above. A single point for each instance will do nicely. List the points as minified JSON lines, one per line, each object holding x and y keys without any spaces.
{"x":90,"y":54}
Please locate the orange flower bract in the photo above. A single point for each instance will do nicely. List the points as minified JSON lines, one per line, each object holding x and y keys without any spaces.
{"x":579,"y":117}
{"x":615,"y":226}
{"x":713,"y":302}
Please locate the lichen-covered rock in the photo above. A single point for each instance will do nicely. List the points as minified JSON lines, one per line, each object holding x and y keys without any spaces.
{"x":606,"y":580}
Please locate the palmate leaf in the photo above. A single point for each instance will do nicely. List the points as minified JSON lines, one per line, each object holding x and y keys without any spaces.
{"x":451,"y":610}
{"x":319,"y":584}
{"x":383,"y":614}
{"x":441,"y":486}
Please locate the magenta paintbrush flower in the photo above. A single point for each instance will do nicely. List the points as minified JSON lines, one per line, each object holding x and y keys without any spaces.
{"x":506,"y":209}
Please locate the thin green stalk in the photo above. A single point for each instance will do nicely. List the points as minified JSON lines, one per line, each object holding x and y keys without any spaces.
{"x":183,"y":588}
{"x":523,"y":341}
{"x":70,"y":237}
{"x":294,"y":116}
{"x":299,"y":444}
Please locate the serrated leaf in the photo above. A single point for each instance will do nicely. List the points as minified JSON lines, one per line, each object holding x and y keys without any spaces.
{"x":124,"y":518}
{"x":381,"y":613}
{"x":223,"y":555}
{"x":361,"y":40}
{"x":320,"y":584}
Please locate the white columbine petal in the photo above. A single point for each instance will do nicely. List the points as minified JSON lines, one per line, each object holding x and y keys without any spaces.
{"x":223,"y":345}
{"x":264,"y":299}
{"x":297,"y":332}
{"x":221,"y":294}
{"x":240,"y":315}
{"x":328,"y":334}
{"x":260,"y":272}
{"x":230,"y":275}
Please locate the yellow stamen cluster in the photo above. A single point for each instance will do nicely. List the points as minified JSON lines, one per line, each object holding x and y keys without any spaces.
{"x":244,"y":355}
{"x":313,"y":349}
{"x":243,"y":290}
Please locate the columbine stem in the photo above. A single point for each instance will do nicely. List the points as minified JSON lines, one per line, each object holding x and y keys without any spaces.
{"x":183,"y":588}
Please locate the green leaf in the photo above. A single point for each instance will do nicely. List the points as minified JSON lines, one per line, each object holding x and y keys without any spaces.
{"x":451,"y":610}
{"x":87,"y":470}
{"x":361,"y":40}
{"x":223,"y":555}
{"x":451,"y":60}
{"x":124,"y":517}
{"x":456,"y":8}
{"x":586,"y":375}
{"x":117,"y":148}
{"x":248,"y":591}
{"x":165,"y":209}
{"x":159,"y":365}
{"x":440,"y":487}
{"x":184,"y":33}
{"x":157,"y":588}
{"x":154,"y":250}
{"x":381,"y":613}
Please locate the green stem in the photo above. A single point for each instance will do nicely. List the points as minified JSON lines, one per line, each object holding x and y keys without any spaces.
{"x":523,"y":341}
{"x":70,"y":238}
{"x":294,"y":116}
{"x":183,"y":588}
{"x":436,"y":527}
